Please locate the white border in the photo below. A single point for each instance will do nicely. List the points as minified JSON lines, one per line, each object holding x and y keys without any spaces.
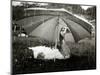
{"x":92,"y":2}
{"x":5,"y":37}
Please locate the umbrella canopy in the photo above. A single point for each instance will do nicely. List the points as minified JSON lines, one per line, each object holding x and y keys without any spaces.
{"x":46,"y":24}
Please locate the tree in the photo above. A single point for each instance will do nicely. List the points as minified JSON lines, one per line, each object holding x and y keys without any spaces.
{"x":18,"y":12}
{"x":92,"y":12}
{"x":77,"y":9}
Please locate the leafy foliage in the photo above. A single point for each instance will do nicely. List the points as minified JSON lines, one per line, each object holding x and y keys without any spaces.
{"x":92,"y":12}
{"x":17,"y":12}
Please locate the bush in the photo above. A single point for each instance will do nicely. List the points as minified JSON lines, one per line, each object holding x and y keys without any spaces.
{"x":86,"y":51}
{"x":21,"y":53}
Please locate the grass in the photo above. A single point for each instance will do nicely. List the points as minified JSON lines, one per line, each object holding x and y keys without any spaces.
{"x":83,"y":57}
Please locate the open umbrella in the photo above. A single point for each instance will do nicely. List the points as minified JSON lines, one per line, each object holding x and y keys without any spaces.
{"x":46,"y":24}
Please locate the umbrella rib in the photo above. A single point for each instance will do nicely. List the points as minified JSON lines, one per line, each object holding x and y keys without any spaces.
{"x":83,"y":24}
{"x":74,"y":33}
{"x":34,"y":26}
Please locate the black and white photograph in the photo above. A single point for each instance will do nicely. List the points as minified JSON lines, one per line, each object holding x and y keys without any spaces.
{"x":52,"y":37}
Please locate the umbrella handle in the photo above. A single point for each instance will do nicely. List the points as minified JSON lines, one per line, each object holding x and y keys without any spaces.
{"x":55,"y":44}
